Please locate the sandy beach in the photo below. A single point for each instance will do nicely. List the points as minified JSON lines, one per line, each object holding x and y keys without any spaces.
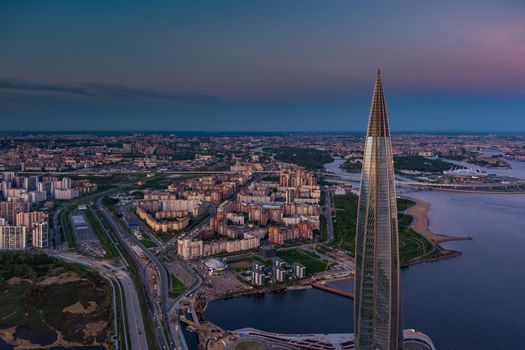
{"x":420,"y":223}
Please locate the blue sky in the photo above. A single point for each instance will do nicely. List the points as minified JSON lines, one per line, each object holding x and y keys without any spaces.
{"x":268,"y":65}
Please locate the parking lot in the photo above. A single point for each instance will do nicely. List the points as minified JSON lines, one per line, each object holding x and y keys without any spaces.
{"x":85,"y":236}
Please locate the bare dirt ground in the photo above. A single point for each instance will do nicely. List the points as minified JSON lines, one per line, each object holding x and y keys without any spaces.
{"x":78,"y":308}
{"x":23,"y":344}
{"x":95,"y":328}
{"x":63,"y":278}
{"x":180,"y":272}
{"x":241,"y":265}
{"x":226,"y":283}
{"x":17,"y":280}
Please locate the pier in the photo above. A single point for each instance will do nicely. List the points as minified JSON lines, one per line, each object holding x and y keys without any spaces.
{"x":323,"y":286}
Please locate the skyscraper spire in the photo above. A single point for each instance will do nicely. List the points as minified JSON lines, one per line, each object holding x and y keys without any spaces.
{"x":378,"y":123}
{"x":377,"y":301}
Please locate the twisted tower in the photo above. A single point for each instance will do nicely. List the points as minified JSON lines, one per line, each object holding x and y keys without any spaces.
{"x":377,"y":311}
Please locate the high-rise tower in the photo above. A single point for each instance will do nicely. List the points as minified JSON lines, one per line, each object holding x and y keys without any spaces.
{"x":377,"y":311}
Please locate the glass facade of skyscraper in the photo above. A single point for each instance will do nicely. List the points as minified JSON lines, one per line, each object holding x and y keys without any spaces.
{"x":377,"y":296}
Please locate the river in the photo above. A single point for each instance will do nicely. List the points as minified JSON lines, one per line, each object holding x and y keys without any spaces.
{"x":474,"y":301}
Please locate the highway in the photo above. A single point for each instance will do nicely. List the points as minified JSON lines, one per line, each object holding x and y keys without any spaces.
{"x":174,"y":309}
{"x":119,"y":278}
{"x":135,"y":322}
{"x":328,"y":210}
{"x":58,"y":210}
{"x":163,"y":283}
{"x":55,"y":235}
{"x":134,"y":314}
{"x":176,"y":338}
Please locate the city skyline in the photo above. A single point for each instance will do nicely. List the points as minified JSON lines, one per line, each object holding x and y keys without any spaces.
{"x":256,"y":214}
{"x":260,"y":66}
{"x":226,"y":175}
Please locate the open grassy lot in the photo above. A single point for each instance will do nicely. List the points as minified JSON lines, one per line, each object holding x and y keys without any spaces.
{"x":66,"y":230}
{"x":345,"y":221}
{"x":101,"y":233}
{"x":410,"y":163}
{"x":45,"y":298}
{"x":177,"y":287}
{"x":165,"y":236}
{"x":245,"y":263}
{"x":411,"y":244}
{"x":403,"y":204}
{"x":418,"y":163}
{"x":241,"y":264}
{"x":148,"y":243}
{"x":352,"y":166}
{"x":311,"y":261}
{"x":309,"y":158}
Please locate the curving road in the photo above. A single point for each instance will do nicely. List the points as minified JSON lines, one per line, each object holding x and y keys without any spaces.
{"x":134,"y":314}
{"x":163,"y":283}
{"x":135,"y":322}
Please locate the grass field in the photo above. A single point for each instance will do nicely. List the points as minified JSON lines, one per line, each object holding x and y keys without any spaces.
{"x":165,"y":236}
{"x":245,"y":263}
{"x":148,"y":243}
{"x":410,"y":163}
{"x":156,"y":182}
{"x":177,"y":287}
{"x":101,"y":233}
{"x":39,"y":294}
{"x":110,"y":203}
{"x":67,"y":231}
{"x":418,"y":163}
{"x":352,"y":167}
{"x":311,"y":261}
{"x":411,"y":244}
{"x":344,"y":222}
{"x":309,"y":158}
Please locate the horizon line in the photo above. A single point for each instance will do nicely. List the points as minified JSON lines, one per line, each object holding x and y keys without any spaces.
{"x":65,"y":131}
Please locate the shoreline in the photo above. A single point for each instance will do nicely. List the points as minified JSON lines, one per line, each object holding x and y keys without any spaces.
{"x":449,"y":254}
{"x":421,"y":222}
{"x":474,"y":191}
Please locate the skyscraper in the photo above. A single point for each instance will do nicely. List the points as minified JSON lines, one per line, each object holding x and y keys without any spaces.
{"x":377,"y":297}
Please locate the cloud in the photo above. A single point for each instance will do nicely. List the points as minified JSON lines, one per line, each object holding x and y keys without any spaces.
{"x":92,"y":90}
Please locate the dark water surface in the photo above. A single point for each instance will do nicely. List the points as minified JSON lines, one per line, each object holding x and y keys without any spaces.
{"x":475,"y":301}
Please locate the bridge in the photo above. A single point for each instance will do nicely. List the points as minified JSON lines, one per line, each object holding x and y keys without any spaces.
{"x":515,"y":186}
{"x":470,"y":186}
